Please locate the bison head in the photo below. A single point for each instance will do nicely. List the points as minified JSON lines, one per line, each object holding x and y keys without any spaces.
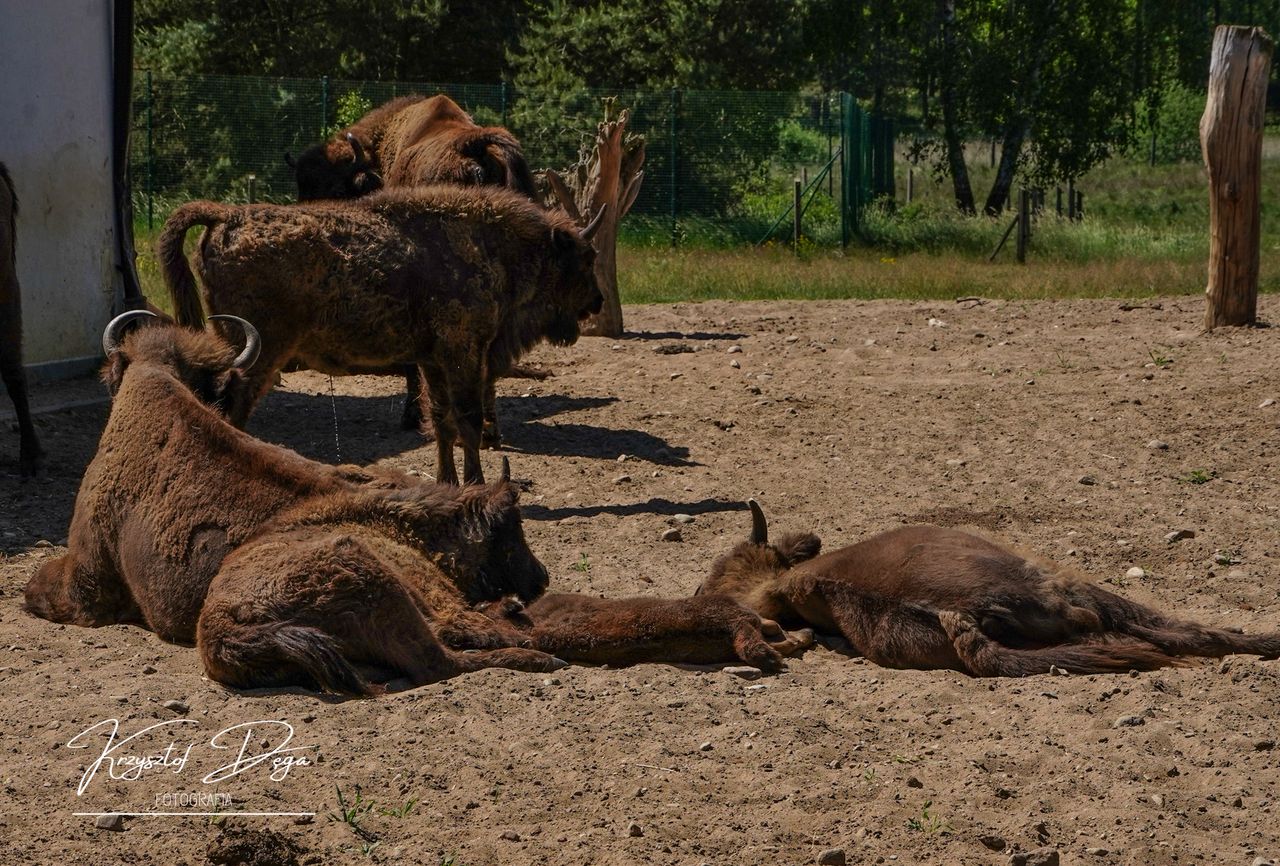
{"x":201,"y":360}
{"x":579,"y":296}
{"x":503,"y":561}
{"x":750,"y":572}
{"x":335,"y":169}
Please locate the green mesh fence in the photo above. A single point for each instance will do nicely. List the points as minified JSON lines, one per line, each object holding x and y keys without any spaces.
{"x":719,"y":166}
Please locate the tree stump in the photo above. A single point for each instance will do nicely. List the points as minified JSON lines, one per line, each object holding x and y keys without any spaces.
{"x":1231,"y":141}
{"x":607,"y":175}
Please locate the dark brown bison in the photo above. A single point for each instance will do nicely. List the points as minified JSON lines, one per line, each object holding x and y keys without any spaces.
{"x":30,"y":454}
{"x":280,"y":569}
{"x":417,"y":141}
{"x":458,"y":281}
{"x":412,"y":141}
{"x":928,"y":597}
{"x":705,"y":629}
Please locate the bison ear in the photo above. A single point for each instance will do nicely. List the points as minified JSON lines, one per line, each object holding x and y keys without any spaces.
{"x":796,"y":547}
{"x":564,"y":241}
{"x":113,"y":371}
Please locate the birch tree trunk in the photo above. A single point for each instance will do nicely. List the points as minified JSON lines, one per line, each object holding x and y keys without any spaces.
{"x":607,"y":176}
{"x":1231,"y":141}
{"x":950,"y":112}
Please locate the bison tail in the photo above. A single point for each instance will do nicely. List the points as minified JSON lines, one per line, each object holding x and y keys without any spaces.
{"x":173,"y":261}
{"x":271,"y":654}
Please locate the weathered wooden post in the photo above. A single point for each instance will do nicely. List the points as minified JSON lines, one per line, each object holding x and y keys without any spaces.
{"x":1024,"y":225}
{"x":796,"y":202}
{"x":608,"y":177}
{"x":1231,"y":141}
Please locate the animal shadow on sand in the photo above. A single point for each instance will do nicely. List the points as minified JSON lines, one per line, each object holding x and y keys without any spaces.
{"x":660,"y":506}
{"x":678,"y":335}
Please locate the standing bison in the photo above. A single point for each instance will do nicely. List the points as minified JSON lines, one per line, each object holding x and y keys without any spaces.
{"x":928,"y":597}
{"x":416,"y":141}
{"x":15,"y":378}
{"x":458,"y":281}
{"x":281,"y":570}
{"x":412,"y":141}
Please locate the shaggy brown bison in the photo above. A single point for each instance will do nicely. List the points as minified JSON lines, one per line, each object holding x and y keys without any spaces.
{"x":15,"y":378}
{"x":411,"y":141}
{"x":281,"y":570}
{"x":417,"y":141}
{"x":705,"y":629}
{"x":458,"y":281}
{"x":929,"y":597}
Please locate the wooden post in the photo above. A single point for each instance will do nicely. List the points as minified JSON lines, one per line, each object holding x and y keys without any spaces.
{"x":1024,"y":224}
{"x":1059,"y":202}
{"x":797,"y":196}
{"x":1079,"y":206}
{"x":252,"y":183}
{"x":911,"y":184}
{"x":1071,"y":199}
{"x":607,"y":177}
{"x":1231,"y":141}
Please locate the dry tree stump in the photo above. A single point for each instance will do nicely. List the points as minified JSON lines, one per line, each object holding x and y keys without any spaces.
{"x":607,"y":175}
{"x":1231,"y":141}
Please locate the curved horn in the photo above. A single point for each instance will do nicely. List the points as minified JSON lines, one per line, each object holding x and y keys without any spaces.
{"x":114,"y":331}
{"x":506,"y":469}
{"x":759,"y":526}
{"x":594,"y":225}
{"x":357,"y":149}
{"x":252,"y":341}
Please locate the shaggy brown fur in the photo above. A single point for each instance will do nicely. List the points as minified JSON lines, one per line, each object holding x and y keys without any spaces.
{"x":281,"y":570}
{"x":30,"y":454}
{"x":707,"y":629}
{"x":460,"y":281}
{"x":410,"y":141}
{"x":929,"y":597}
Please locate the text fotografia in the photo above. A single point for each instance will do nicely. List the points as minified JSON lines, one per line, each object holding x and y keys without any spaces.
{"x":213,"y":800}
{"x":261,"y":749}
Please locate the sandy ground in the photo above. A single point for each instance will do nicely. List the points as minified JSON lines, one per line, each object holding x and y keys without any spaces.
{"x":846,"y":418}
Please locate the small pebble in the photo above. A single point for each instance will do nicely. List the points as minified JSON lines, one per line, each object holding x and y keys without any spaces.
{"x":1267,"y":402}
{"x":735,"y":364}
{"x":148,"y":669}
{"x":683,"y":518}
{"x":672,"y":534}
{"x":791,"y":339}
{"x":43,"y":543}
{"x":1096,"y":852}
{"x":832,"y":857}
{"x":1128,"y":722}
{"x":992,"y":841}
{"x":1157,"y":800}
{"x":913,"y":782}
{"x":1038,"y":857}
{"x":622,"y":479}
{"x":634,"y":829}
{"x":1179,"y":534}
{"x":1264,"y":745}
{"x":705,"y":747}
{"x":734,"y":350}
{"x":956,"y":461}
{"x":114,"y":821}
{"x":746,"y":672}
{"x":1136,"y":573}
{"x":1088,"y":480}
{"x":1158,"y":445}
{"x":511,"y":835}
{"x":176,"y":706}
{"x":937,"y":323}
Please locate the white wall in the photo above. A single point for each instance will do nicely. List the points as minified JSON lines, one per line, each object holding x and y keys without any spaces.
{"x":55,"y":113}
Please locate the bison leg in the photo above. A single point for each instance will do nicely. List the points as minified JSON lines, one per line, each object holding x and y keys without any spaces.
{"x":442,"y":421}
{"x":30,"y":454}
{"x":490,"y":434}
{"x":890,"y":633}
{"x":475,"y":630}
{"x":64,"y":590}
{"x":415,"y":416}
{"x":786,"y":643}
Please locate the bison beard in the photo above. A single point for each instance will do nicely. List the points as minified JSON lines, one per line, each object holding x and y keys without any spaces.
{"x":928,"y":597}
{"x":280,"y":569}
{"x":458,"y":281}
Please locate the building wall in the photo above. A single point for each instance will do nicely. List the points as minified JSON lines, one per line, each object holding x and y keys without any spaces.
{"x":55,"y":109}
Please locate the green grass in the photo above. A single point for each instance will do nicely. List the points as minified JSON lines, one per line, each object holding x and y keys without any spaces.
{"x":1145,"y":233}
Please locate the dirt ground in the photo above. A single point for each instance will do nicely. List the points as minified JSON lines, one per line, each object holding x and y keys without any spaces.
{"x":1034,"y":421}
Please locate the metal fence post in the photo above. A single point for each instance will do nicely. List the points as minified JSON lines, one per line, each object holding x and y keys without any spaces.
{"x":324,"y":106}
{"x":151,"y":157}
{"x":797,"y":210}
{"x":504,"y":103}
{"x":675,"y":101}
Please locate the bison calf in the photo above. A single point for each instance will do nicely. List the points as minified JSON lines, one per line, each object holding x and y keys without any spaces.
{"x":15,"y":378}
{"x":706,"y":629}
{"x":280,"y":569}
{"x":458,"y":281}
{"x":928,"y":597}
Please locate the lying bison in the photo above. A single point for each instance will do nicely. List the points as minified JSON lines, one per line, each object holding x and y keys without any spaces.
{"x":15,"y":378}
{"x":458,"y":281}
{"x":706,"y":629}
{"x":281,"y":570}
{"x":411,"y":141}
{"x":928,"y":597}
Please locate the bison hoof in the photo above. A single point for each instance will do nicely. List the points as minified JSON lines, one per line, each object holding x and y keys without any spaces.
{"x":955,"y":623}
{"x":491,"y":438}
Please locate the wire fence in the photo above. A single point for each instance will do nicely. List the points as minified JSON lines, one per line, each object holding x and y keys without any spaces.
{"x":719,"y":166}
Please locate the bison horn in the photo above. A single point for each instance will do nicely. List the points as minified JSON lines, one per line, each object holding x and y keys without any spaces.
{"x":357,"y":149}
{"x":506,"y":469}
{"x":114,"y":331}
{"x":252,"y":341}
{"x":759,"y":526}
{"x":594,"y":225}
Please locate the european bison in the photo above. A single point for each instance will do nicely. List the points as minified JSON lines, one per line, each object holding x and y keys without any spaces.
{"x":15,"y":378}
{"x":280,"y":569}
{"x":458,"y":281}
{"x":417,"y":141}
{"x":705,"y":629}
{"x":412,"y":141}
{"x":928,"y":597}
